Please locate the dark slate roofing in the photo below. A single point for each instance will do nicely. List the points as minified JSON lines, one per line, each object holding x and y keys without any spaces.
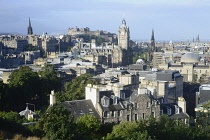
{"x":113,"y":107}
{"x":80,"y":107}
{"x":180,"y":116}
{"x":204,"y":96}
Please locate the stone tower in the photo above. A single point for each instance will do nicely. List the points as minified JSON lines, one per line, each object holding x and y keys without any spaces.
{"x":198,"y":39}
{"x":30,"y":30}
{"x":123,"y":35}
{"x":153,"y":48}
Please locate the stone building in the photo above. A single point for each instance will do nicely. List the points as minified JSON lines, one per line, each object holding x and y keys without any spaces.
{"x":164,"y":85}
{"x":109,"y":54}
{"x":190,"y":67}
{"x":16,"y":42}
{"x":86,"y":31}
{"x":125,"y":106}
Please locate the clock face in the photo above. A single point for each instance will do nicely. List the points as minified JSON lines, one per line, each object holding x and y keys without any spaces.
{"x":122,"y":33}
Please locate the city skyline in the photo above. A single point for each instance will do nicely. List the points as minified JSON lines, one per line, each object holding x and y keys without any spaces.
{"x":174,"y":20}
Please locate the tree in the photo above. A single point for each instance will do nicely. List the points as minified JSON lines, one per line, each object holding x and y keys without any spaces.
{"x":24,"y":87}
{"x":13,"y":116}
{"x":49,"y":78}
{"x":195,"y":78}
{"x":127,"y":130}
{"x":3,"y":95}
{"x":88,"y":126}
{"x":75,"y":90}
{"x":57,"y":124}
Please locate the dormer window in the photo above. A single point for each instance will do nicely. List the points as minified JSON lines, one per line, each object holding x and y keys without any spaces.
{"x":105,"y":101}
{"x":176,"y":109}
{"x":81,"y":112}
{"x":122,"y":95}
{"x":115,"y":100}
{"x":90,"y":110}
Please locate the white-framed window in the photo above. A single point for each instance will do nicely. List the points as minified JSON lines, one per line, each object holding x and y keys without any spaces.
{"x":169,"y":111}
{"x":148,"y":104}
{"x":115,"y":100}
{"x":176,"y":109}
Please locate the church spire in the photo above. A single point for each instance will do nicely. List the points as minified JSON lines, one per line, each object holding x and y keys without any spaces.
{"x":30,"y":30}
{"x":153,"y":49}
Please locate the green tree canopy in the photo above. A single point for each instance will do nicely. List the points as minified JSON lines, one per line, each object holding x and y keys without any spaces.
{"x":49,"y":78}
{"x":24,"y":86}
{"x":127,"y":131}
{"x":75,"y":90}
{"x":57,"y":124}
{"x":88,"y":126}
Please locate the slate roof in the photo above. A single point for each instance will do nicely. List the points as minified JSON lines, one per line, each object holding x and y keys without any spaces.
{"x":80,"y":107}
{"x":180,"y":116}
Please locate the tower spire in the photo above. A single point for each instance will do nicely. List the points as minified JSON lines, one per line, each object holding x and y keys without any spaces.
{"x":30,"y":30}
{"x":153,"y":49}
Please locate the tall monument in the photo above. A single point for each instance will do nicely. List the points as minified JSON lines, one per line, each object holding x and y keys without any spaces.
{"x":30,"y":30}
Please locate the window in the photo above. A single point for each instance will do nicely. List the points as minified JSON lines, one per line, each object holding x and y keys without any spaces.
{"x":81,"y":112}
{"x":200,"y":71}
{"x":169,"y":111}
{"x":119,"y":114}
{"x":90,"y":110}
{"x":136,"y":105}
{"x":122,"y":95}
{"x":143,"y":115}
{"x":105,"y":114}
{"x":115,"y":100}
{"x":105,"y":101}
{"x":176,"y":109}
{"x":113,"y":114}
{"x":153,"y":114}
{"x":136,"y":117}
{"x":148,"y":104}
{"x":161,"y":112}
{"x":128,"y":117}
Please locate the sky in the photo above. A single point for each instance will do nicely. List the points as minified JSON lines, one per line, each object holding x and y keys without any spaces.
{"x":170,"y":19}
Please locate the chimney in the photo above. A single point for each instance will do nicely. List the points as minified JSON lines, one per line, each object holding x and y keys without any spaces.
{"x":52,"y":98}
{"x":182,"y":104}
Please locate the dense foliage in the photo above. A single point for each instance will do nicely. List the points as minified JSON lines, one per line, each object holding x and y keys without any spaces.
{"x":26,"y":86}
{"x":57,"y":124}
{"x":75,"y":90}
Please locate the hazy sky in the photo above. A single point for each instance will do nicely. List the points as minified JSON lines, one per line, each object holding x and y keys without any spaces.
{"x":170,"y":19}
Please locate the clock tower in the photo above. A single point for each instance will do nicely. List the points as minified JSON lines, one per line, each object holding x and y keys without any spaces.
{"x":123,"y":35}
